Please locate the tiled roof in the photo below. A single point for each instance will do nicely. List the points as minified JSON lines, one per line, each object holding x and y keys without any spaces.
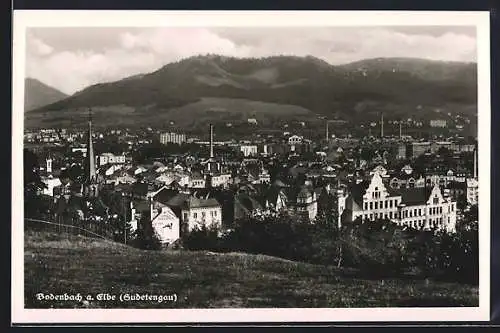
{"x":414,"y":196}
{"x":358,"y":190}
{"x":193,"y":202}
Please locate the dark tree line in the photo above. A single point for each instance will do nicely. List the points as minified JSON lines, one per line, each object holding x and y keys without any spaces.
{"x":376,"y":249}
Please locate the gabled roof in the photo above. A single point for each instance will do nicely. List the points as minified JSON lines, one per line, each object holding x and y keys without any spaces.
{"x":193,"y":202}
{"x":358,"y":190}
{"x":178,"y":200}
{"x":165,"y":195}
{"x":414,"y":196}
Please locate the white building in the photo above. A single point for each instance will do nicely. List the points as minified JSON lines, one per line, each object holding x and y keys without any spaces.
{"x":50,"y":182}
{"x":196,"y":213}
{"x":438,"y":123}
{"x":295,"y":139}
{"x":109,"y":158}
{"x":112,"y":169}
{"x":306,"y":204}
{"x":197,"y":182}
{"x":171,"y":137}
{"x":165,"y":223}
{"x":221,"y":180}
{"x":249,"y":150}
{"x":418,"y":208}
{"x":472,"y":191}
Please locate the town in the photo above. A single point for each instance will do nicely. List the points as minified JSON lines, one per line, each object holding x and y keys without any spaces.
{"x":120,"y":181}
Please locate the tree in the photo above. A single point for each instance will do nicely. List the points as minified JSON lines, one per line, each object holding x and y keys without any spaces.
{"x":33,"y":203}
{"x":146,"y":237}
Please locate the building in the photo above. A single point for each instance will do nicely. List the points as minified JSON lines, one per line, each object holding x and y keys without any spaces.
{"x":306,"y":204}
{"x":196,"y":213}
{"x":220,"y":179}
{"x":50,"y":183}
{"x":172,"y":137}
{"x":441,"y":123}
{"x":110,"y":158}
{"x":165,"y":223}
{"x":417,"y":208}
{"x":419,"y":148}
{"x":295,"y":140}
{"x":401,"y":151}
{"x":249,"y":150}
{"x":472,"y":191}
{"x":197,"y":181}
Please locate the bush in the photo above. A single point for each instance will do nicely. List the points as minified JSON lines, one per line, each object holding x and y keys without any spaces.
{"x":378,"y":248}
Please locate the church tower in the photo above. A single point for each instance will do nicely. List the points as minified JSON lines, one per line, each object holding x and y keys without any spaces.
{"x":91,"y":188}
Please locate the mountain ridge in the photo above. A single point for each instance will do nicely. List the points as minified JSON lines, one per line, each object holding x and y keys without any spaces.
{"x":38,"y":94}
{"x":307,"y":82}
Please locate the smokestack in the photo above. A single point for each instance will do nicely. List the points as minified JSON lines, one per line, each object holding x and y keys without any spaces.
{"x":211,"y":141}
{"x":382,"y":126}
{"x":327,"y":131}
{"x":400,"y":130}
{"x":475,"y":163}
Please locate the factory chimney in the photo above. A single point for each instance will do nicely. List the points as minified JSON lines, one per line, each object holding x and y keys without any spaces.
{"x":475,"y":163}
{"x":382,"y":126}
{"x":211,"y":141}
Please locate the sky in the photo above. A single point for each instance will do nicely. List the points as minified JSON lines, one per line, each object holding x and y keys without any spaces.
{"x":70,"y":59}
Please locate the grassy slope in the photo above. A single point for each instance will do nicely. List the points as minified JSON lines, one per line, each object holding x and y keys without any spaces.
{"x":207,"y":109}
{"x":75,"y":264}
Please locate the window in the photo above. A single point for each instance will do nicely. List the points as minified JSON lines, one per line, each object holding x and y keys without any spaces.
{"x":371,"y":205}
{"x":366,"y":206}
{"x":203,"y":214}
{"x":195,"y":215}
{"x":419,"y":211}
{"x":215,"y":213}
{"x":376,"y":205}
{"x":185,"y":216}
{"x":436,"y":200}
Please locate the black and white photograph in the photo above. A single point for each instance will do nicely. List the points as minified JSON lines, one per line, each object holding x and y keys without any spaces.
{"x":264,"y":166}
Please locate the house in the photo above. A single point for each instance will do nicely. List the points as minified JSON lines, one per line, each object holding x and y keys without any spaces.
{"x":125,"y":178}
{"x":275,"y":199}
{"x":249,"y":150}
{"x":197,"y":180}
{"x":418,"y":208}
{"x":472,"y":191}
{"x":295,"y":140}
{"x":110,"y":158}
{"x":165,"y":223}
{"x":221,"y":179}
{"x":196,"y":213}
{"x":50,"y":183}
{"x":109,"y":171}
{"x":305,"y":203}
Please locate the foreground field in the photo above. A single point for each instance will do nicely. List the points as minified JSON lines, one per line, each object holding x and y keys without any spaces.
{"x":73,"y":264}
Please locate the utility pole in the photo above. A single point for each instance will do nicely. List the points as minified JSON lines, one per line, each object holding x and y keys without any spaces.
{"x":124,"y":220}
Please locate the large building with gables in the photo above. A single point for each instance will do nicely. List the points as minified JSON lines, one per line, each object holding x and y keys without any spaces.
{"x":424,"y":208}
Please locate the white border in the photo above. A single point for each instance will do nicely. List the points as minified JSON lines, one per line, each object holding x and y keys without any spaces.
{"x":24,"y":19}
